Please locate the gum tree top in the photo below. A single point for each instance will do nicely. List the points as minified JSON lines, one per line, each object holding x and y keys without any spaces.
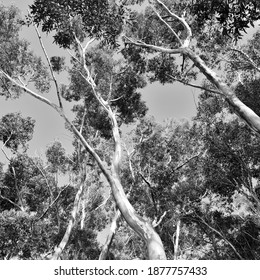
{"x":100,"y":19}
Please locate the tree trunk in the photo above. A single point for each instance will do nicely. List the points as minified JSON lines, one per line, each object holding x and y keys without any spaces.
{"x":65,"y":239}
{"x":176,"y":245}
{"x":112,"y":230}
{"x":243,"y":111}
{"x":138,"y":224}
{"x":142,"y":227}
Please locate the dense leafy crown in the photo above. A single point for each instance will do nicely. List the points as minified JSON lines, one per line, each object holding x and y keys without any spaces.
{"x":16,"y":131}
{"x":234,"y":16}
{"x":96,"y":18}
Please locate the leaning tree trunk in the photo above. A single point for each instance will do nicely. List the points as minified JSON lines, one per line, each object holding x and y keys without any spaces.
{"x":141,"y":226}
{"x":243,"y":111}
{"x":112,"y":230}
{"x":138,"y":224}
{"x":65,"y":239}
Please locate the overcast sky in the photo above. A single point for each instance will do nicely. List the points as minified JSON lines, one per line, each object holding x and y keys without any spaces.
{"x":167,"y":101}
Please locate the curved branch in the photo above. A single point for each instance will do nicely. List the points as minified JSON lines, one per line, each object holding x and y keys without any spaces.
{"x":152,"y":47}
{"x":186,"y":42}
{"x":193,"y":85}
{"x":242,"y":110}
{"x":86,"y":145}
{"x":137,"y":223}
{"x":167,"y":24}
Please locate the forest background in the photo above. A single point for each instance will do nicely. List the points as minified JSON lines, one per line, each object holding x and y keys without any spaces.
{"x":194,"y":182}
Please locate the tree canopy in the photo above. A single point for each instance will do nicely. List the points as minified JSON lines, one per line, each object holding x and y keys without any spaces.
{"x":184,"y":189}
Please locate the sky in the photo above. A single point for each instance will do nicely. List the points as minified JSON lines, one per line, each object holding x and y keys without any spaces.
{"x":168,"y":101}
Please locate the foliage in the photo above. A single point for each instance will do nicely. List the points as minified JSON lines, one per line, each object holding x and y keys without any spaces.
{"x":20,"y":238}
{"x":16,"y":131}
{"x":99,"y":19}
{"x":16,"y":58}
{"x":56,"y":156}
{"x":57,"y":63}
{"x":234,"y":16}
{"x":117,"y":82}
{"x":23,"y":180}
{"x":202,"y":174}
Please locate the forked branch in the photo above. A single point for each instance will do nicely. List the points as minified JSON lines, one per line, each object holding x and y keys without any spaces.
{"x":183,"y":22}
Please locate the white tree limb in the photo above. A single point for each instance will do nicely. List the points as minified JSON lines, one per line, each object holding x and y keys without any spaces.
{"x":153,"y":47}
{"x":167,"y":24}
{"x":50,"y":66}
{"x":186,"y":26}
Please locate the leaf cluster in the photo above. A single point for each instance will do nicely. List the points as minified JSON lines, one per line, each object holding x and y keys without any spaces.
{"x":16,"y":131}
{"x":93,"y":18}
{"x":234,"y":16}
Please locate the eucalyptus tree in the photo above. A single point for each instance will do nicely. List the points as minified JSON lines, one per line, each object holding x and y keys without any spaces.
{"x":74,"y":22}
{"x":105,"y":81}
{"x":164,"y":29}
{"x":159,"y":35}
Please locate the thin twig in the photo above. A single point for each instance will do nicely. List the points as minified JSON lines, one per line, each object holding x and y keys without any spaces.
{"x":246,"y":56}
{"x":187,"y":161}
{"x":193,"y":85}
{"x":10,"y":201}
{"x":157,"y":223}
{"x":116,"y":99}
{"x":54,"y":201}
{"x":104,"y":202}
{"x":73,"y":56}
{"x":145,"y":180}
{"x":222,"y":236}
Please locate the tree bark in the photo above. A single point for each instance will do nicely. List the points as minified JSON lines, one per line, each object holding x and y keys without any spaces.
{"x":65,"y":239}
{"x":243,"y":111}
{"x":176,"y":245}
{"x":112,"y":230}
{"x":138,"y":224}
{"x":142,"y":227}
